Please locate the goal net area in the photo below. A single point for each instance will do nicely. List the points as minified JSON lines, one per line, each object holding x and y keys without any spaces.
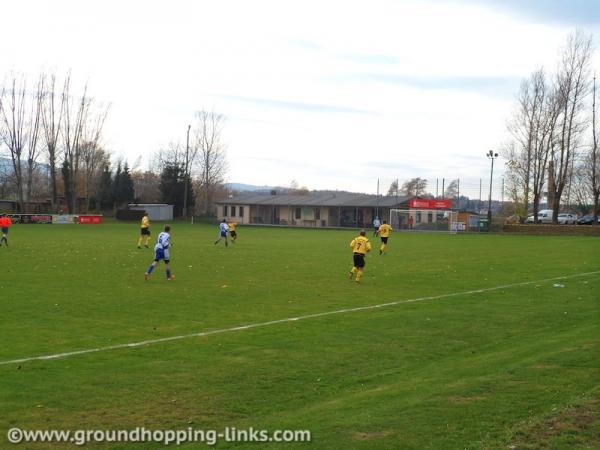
{"x":425,"y":220}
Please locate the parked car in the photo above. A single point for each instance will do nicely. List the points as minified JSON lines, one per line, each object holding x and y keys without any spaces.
{"x":544,"y":216}
{"x":587,"y":220}
{"x":567,"y":218}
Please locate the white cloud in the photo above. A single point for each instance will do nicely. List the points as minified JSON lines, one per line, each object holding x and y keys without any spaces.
{"x":157,"y":62}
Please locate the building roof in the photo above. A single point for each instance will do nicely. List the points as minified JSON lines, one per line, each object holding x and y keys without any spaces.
{"x":316,"y":199}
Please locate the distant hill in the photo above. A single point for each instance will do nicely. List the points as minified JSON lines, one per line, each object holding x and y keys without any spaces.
{"x":241,"y":187}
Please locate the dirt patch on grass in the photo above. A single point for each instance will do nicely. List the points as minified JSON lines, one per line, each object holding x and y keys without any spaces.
{"x":545,"y":366}
{"x":364,"y":436}
{"x":575,"y":426}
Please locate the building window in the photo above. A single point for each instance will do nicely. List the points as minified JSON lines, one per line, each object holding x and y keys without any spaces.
{"x":429,"y":217}
{"x":224,"y":210}
{"x":233,"y":211}
{"x":317,"y":213}
{"x":241,"y":211}
{"x":298,"y":213}
{"x":418,"y":217}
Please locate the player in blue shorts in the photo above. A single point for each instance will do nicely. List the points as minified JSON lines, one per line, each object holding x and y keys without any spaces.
{"x":223,"y":229}
{"x":161,"y":251}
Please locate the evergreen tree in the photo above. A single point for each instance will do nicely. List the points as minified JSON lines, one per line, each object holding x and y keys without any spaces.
{"x":66,"y":173}
{"x":105,"y":193}
{"x":172,"y":186}
{"x":127,"y":192}
{"x":116,"y":187}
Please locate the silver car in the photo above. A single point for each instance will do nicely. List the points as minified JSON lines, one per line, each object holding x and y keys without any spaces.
{"x":567,"y":218}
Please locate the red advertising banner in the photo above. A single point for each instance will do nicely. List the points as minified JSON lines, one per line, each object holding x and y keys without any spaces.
{"x":90,"y":220}
{"x":428,"y":203}
{"x":30,"y":218}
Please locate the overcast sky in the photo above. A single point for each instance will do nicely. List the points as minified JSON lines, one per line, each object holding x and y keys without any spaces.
{"x":333,"y":94}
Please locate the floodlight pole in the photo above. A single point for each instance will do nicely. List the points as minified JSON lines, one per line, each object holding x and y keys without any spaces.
{"x":492,"y":156}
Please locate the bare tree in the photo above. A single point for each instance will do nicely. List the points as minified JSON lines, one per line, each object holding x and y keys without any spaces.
{"x":19,"y":131}
{"x":94,"y":158}
{"x":415,"y":187}
{"x":146,"y":186}
{"x":82,"y":130}
{"x":74,"y":116}
{"x":452,"y":189}
{"x":12,"y":108}
{"x":527,"y":156}
{"x":593,"y":165}
{"x":51,"y":120}
{"x":211,"y":155}
{"x":572,"y":87}
{"x":393,"y":189}
{"x":33,"y":134}
{"x":172,"y":154}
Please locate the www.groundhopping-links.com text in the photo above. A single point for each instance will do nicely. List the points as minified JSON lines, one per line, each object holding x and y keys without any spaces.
{"x":166,"y":437}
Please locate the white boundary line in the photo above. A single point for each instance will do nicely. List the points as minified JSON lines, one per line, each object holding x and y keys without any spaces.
{"x":288,"y":319}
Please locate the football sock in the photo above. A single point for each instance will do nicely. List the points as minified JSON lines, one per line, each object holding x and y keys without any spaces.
{"x":150,"y":269}
{"x":168,"y":273}
{"x":354,"y":269}
{"x":139,"y":242}
{"x":358,"y":275}
{"x":382,"y":249}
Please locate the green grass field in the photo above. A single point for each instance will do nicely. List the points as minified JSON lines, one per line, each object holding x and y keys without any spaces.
{"x":517,"y":365}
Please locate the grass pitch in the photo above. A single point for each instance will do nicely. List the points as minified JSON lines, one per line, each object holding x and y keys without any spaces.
{"x":517,"y":365}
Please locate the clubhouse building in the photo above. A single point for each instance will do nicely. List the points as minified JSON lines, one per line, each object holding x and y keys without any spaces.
{"x":319,"y":209}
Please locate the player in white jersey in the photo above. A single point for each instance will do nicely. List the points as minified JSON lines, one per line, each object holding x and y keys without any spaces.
{"x":161,"y":251}
{"x":223,"y":229}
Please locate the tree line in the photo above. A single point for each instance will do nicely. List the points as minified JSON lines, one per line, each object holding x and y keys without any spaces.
{"x":52,"y":155}
{"x":553,"y":151}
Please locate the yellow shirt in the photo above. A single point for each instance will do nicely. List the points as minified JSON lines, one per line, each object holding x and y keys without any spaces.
{"x":360,"y":244}
{"x":145,"y":222}
{"x":232,"y":226}
{"x":384,"y":230}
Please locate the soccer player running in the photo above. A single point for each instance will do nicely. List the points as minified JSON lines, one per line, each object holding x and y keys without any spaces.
{"x":376,"y":224}
{"x":232,"y":232}
{"x":144,"y":231}
{"x":384,"y":233}
{"x":360,"y":246}
{"x":5,"y":223}
{"x":161,"y":251}
{"x":223,"y":230}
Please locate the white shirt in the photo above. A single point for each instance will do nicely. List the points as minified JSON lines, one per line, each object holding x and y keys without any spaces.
{"x":376,"y":223}
{"x":224,"y":227}
{"x":164,"y":240}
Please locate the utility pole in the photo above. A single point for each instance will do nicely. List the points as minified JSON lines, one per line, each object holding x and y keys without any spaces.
{"x":492,"y":156}
{"x":185,"y":172}
{"x":480,"y":195}
{"x":377,"y":209}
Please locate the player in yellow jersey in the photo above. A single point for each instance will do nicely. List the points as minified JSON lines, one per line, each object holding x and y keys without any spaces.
{"x":360,"y":246}
{"x":144,"y":231}
{"x":384,"y":233}
{"x":232,"y":232}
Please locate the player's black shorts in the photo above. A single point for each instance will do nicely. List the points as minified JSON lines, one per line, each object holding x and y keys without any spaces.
{"x":359,"y":260}
{"x":4,"y":230}
{"x":145,"y":231}
{"x":384,"y":239}
{"x":233,"y":234}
